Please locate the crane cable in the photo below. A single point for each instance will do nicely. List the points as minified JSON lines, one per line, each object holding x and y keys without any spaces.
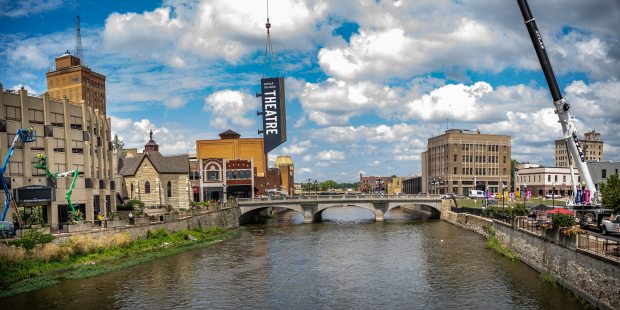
{"x":268,"y":48}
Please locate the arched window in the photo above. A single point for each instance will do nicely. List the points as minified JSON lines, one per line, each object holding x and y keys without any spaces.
{"x":169,"y":189}
{"x":147,"y":187}
{"x":131,"y":193}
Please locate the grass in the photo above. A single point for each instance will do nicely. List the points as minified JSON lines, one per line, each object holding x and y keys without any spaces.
{"x":31,"y":273}
{"x":494,"y":244}
{"x":547,"y":278}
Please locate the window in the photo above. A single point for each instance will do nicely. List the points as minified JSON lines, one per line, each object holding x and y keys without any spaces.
{"x":147,"y":187}
{"x":169,"y":189}
{"x":16,"y":168}
{"x":13,"y":113}
{"x":76,"y":122}
{"x":57,"y":119}
{"x":604,"y":173}
{"x":229,"y":175}
{"x":549,"y":178}
{"x":555,"y":178}
{"x":59,"y":145}
{"x":131,"y":193}
{"x":36,"y":116}
{"x":563,"y":178}
{"x":77,"y":147}
{"x":213,"y":175}
{"x":454,"y":170}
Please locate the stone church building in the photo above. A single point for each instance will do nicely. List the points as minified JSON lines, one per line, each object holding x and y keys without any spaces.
{"x":155,"y":179}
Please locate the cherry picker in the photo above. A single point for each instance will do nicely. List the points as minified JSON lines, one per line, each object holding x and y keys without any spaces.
{"x":40,"y":162}
{"x":24,"y":135}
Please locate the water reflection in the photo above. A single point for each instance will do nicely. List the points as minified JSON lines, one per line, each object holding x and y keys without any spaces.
{"x":345,"y":262}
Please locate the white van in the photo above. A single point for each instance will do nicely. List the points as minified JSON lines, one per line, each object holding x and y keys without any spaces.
{"x":474,"y":193}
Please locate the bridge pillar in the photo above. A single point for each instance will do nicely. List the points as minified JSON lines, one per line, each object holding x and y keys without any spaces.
{"x":379,"y":216}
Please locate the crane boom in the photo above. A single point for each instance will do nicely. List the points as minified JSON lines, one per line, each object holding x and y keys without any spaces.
{"x":562,"y":108}
{"x":24,"y":135}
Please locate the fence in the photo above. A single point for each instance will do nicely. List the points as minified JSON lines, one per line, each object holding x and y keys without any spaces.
{"x":601,"y":246}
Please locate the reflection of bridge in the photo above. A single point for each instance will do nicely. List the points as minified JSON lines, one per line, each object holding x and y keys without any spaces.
{"x":312,"y":207}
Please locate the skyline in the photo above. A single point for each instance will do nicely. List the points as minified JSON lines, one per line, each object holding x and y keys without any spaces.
{"x":367,"y":83}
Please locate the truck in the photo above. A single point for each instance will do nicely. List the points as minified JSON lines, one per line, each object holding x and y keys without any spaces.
{"x":611,"y":225}
{"x":474,"y":193}
{"x":589,"y":213}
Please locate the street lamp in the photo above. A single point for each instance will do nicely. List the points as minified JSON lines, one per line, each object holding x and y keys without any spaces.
{"x":486,"y":196}
{"x":553,"y":194}
{"x":316,"y":187}
{"x":503,"y":194}
{"x":434,"y":183}
{"x":523,"y":193}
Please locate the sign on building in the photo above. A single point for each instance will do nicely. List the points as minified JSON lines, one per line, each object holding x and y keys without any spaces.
{"x":274,"y":112}
{"x":34,"y":194}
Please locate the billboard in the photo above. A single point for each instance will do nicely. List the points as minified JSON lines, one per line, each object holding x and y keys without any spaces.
{"x":274,"y":112}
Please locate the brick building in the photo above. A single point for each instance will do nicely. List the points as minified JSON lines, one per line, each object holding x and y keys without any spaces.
{"x":374,"y":184}
{"x":461,"y":160}
{"x":591,"y":144}
{"x":155,"y":179}
{"x":76,"y":82}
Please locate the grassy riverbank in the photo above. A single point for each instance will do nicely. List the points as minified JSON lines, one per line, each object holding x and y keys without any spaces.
{"x":24,"y":270}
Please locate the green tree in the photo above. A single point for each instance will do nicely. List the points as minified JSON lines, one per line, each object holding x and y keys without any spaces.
{"x":326,"y":185}
{"x":610,"y":193}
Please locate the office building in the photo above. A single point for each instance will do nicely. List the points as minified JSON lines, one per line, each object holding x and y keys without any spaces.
{"x":591,"y":144}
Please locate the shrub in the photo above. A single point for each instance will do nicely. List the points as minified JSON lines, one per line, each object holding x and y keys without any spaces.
{"x":520,"y":210}
{"x":83,"y":244}
{"x":31,"y":238}
{"x":118,"y":240}
{"x":51,"y":252}
{"x":563,"y":220}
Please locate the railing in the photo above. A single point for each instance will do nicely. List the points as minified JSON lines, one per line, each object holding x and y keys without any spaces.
{"x":339,"y":197}
{"x":600,"y":246}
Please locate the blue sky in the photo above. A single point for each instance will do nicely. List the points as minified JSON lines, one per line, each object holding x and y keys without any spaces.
{"x":367,"y":82}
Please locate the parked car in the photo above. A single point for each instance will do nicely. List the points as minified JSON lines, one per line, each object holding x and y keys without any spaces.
{"x":448,"y":196}
{"x":611,"y":225}
{"x":553,"y":196}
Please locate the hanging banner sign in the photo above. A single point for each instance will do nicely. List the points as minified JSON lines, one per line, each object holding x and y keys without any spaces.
{"x":274,"y":112}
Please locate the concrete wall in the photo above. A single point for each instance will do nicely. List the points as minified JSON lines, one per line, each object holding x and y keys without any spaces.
{"x":228,"y":218}
{"x":595,"y":279}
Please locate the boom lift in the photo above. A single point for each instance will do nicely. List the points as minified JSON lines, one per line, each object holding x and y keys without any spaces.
{"x":589,"y":213}
{"x":40,"y":162}
{"x":24,"y":135}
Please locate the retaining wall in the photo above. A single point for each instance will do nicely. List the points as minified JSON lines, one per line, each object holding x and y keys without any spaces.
{"x":228,"y":218}
{"x":596,"y":280}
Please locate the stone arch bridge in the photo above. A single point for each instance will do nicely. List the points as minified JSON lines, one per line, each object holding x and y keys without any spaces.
{"x":312,"y":207}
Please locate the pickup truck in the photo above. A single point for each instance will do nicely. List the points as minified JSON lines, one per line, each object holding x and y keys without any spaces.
{"x":611,"y":225}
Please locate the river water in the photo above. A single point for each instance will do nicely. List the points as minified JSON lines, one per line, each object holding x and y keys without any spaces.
{"x":346,"y":262}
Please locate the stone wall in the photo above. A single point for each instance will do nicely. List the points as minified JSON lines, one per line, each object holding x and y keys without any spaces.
{"x":228,"y":218}
{"x":595,"y":279}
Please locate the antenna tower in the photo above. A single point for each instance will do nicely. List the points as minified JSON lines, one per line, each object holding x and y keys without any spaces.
{"x":78,"y":40}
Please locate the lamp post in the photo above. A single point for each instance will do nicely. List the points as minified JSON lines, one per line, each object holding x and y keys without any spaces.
{"x":308,"y":189}
{"x":523,"y":193}
{"x":553,"y":194}
{"x":434,"y":183}
{"x":316,"y":187}
{"x":486,"y":197}
{"x":503,"y":195}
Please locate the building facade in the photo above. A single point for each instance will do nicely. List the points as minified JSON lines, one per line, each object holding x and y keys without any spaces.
{"x":592,"y":146}
{"x":70,"y":137}
{"x":412,"y":185}
{"x":286,"y":170}
{"x":374,"y":184}
{"x":461,"y":160}
{"x":395,"y":186}
{"x":155,"y":179}
{"x":76,"y":82}
{"x":542,"y":181}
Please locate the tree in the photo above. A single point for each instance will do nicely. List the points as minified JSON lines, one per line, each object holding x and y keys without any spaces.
{"x":118,"y":145}
{"x":327,"y":185}
{"x":610,"y":192}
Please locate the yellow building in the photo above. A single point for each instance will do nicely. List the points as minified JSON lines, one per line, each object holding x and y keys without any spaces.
{"x":76,"y":82}
{"x":287,"y":174}
{"x":395,"y":186}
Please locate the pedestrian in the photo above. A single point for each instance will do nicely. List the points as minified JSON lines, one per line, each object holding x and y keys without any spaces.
{"x":130,"y":218}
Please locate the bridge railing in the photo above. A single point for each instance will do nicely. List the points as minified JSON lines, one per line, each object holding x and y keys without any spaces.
{"x":338,"y":197}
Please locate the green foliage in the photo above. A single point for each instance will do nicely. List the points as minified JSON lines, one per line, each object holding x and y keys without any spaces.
{"x":494,"y":244}
{"x":520,"y":210}
{"x":547,"y":278}
{"x":157,"y":234}
{"x":32,"y":216}
{"x":31,"y":238}
{"x":563,"y":220}
{"x":610,"y":192}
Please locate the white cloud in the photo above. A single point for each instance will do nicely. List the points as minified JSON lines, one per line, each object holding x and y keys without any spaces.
{"x":297,"y":149}
{"x":16,"y":9}
{"x":229,"y":108}
{"x":175,"y":103}
{"x":135,"y":134}
{"x":331,"y":155}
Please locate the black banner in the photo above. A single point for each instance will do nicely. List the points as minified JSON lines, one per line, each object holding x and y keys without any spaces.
{"x":34,"y":194}
{"x":274,"y":112}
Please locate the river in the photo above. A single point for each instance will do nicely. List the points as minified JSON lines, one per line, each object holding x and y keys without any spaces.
{"x":346,"y":262}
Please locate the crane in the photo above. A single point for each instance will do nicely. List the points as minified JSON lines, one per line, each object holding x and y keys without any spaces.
{"x":24,"y":135}
{"x":593,"y":210}
{"x":40,"y":162}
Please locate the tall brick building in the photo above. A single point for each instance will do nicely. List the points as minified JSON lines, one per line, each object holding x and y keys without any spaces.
{"x":460,"y":160}
{"x":76,"y":82}
{"x":591,"y":144}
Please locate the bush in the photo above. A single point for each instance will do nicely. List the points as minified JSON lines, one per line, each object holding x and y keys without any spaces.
{"x":83,"y":245}
{"x":51,"y":252}
{"x":157,"y":234}
{"x":32,"y":238}
{"x":12,"y":254}
{"x":520,"y":210}
{"x":563,"y":220}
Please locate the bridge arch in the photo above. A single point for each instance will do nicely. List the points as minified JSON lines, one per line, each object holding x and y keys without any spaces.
{"x":432,"y":209}
{"x":318,"y":214}
{"x":250,"y":214}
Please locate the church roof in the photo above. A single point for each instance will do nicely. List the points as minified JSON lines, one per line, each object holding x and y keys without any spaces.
{"x":163,"y":164}
{"x":229,"y":134}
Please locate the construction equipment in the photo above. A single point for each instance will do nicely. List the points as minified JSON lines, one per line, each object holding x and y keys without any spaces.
{"x":40,"y":162}
{"x":24,"y":135}
{"x":590,"y":212}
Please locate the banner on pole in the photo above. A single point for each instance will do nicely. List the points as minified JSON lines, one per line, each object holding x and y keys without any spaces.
{"x":274,"y":112}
